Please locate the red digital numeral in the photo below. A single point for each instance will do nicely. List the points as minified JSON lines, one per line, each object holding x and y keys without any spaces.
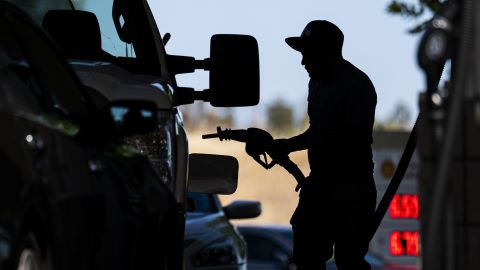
{"x":404,"y":243}
{"x":404,"y":206}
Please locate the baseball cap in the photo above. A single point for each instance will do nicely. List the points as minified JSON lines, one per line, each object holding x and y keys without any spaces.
{"x":319,"y":34}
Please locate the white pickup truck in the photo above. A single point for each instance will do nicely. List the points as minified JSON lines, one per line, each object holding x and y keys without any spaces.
{"x":117,"y":51}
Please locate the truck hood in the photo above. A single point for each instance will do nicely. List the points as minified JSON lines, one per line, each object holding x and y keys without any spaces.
{"x":116,"y":83}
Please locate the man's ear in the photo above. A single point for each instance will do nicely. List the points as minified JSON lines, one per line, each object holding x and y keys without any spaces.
{"x":331,"y":58}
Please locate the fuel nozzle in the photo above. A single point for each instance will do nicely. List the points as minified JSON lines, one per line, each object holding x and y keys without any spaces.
{"x":228,"y":134}
{"x":257,"y":145}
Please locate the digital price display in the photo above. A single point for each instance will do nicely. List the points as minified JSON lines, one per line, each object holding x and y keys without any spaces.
{"x":404,"y":243}
{"x":404,"y":206}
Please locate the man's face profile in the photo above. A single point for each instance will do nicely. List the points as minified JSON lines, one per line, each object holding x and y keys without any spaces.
{"x":321,"y":46}
{"x":315,"y":63}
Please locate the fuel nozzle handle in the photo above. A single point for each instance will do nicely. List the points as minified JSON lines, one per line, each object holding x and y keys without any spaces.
{"x":256,"y":141}
{"x":239,"y":135}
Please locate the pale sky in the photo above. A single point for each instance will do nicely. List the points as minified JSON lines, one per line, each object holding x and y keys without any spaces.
{"x":375,"y":41}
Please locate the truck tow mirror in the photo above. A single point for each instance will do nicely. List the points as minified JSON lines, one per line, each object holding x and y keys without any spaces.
{"x":234,"y":72}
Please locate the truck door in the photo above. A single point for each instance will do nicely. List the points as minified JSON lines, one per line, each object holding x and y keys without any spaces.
{"x":49,"y":110}
{"x":27,"y":146}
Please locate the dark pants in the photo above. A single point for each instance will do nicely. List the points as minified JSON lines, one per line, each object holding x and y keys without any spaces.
{"x":333,"y":215}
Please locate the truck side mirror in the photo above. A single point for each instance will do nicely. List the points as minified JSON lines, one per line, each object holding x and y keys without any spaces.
{"x":208,"y":173}
{"x":243,"y":209}
{"x":234,"y":72}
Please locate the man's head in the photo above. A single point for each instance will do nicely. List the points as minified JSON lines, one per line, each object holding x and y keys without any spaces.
{"x":321,"y":45}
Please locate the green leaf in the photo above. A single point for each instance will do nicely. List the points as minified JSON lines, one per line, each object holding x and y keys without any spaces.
{"x":394,"y":8}
{"x":404,"y":9}
{"x":432,"y":5}
{"x":414,"y":11}
{"x":419,"y":28}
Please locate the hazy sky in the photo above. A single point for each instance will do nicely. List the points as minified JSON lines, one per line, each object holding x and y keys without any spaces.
{"x":375,"y":41}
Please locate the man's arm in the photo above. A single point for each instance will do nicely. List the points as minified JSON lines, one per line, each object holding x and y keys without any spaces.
{"x":286,"y":146}
{"x":299,"y":142}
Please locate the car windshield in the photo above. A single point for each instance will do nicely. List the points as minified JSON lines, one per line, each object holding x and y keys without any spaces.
{"x":201,"y":203}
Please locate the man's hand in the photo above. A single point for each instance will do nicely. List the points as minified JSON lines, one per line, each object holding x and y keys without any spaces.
{"x":279,"y":148}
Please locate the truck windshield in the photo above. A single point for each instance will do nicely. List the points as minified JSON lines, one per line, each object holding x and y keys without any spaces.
{"x":111,"y":42}
{"x":37,"y":8}
{"x":127,"y":38}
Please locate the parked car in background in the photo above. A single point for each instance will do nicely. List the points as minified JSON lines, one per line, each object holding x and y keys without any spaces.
{"x":211,"y":241}
{"x":271,"y":248}
{"x":72,"y":195}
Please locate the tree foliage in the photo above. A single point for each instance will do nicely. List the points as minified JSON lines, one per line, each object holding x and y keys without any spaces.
{"x":400,"y":115}
{"x":414,"y":11}
{"x":399,"y":118}
{"x":280,"y":117}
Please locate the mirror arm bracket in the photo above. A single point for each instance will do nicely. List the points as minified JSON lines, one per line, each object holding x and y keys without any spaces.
{"x":202,"y":95}
{"x":178,"y":64}
{"x":187,"y":95}
{"x":204,"y":64}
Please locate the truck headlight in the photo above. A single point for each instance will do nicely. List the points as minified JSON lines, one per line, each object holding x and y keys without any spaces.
{"x":158,"y":145}
{"x":218,"y":253}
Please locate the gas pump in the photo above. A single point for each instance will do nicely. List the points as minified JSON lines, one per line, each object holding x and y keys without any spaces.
{"x":449,"y":150}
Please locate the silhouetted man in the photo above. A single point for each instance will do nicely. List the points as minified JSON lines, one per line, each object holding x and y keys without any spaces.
{"x":338,"y":200}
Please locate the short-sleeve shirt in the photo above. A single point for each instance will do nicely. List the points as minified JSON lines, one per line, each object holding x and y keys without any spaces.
{"x":342,"y":112}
